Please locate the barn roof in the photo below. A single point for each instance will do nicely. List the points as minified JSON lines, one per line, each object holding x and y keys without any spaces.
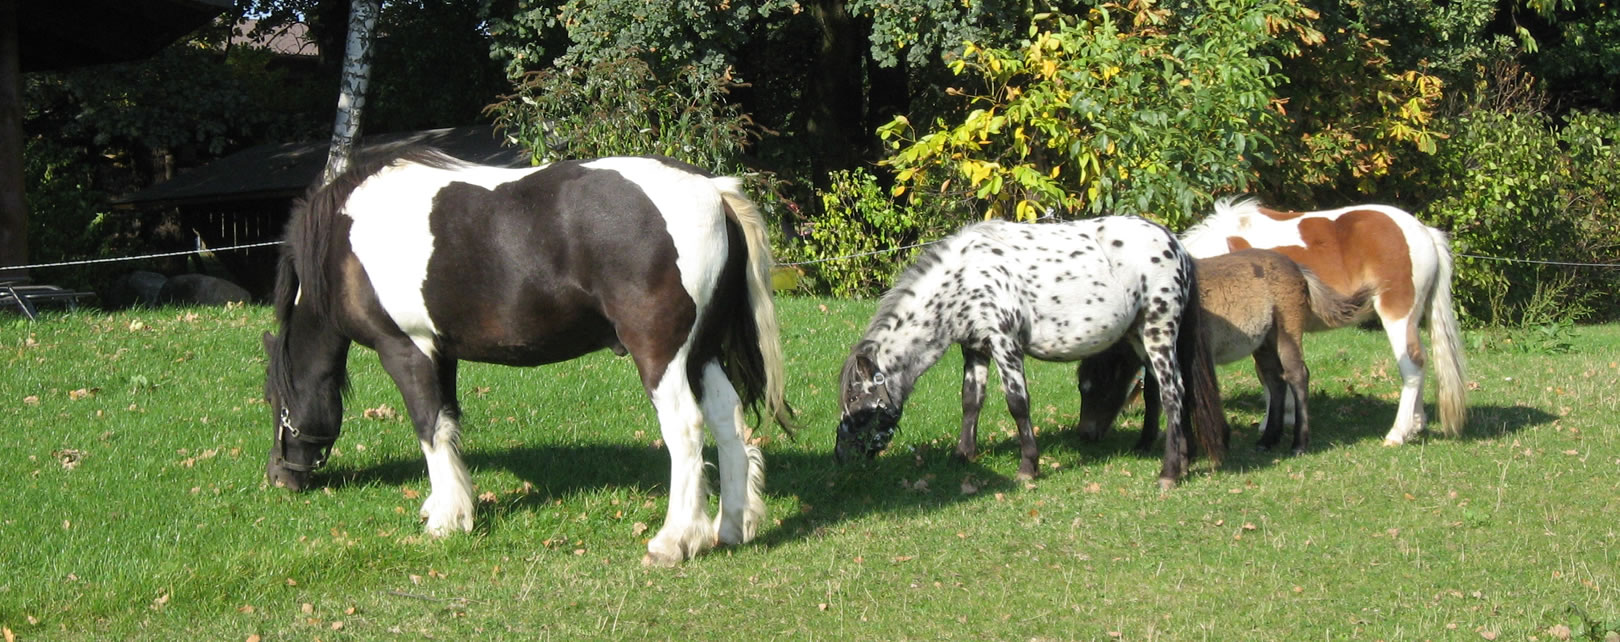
{"x":286,"y":170}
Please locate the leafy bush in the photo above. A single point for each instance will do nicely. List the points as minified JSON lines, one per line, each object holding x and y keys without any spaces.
{"x":860,"y":242}
{"x":1513,"y":186}
{"x":621,"y":107}
{"x":1147,"y":113}
{"x":64,"y":210}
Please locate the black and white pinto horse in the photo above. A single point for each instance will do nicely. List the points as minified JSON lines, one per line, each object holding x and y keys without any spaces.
{"x":429,"y":261}
{"x":1056,"y":292}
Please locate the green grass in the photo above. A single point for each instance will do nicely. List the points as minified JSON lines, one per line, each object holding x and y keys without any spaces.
{"x":132,"y":506}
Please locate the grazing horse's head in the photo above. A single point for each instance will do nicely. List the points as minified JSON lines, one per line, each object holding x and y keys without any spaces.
{"x":1106,"y":382}
{"x":304,"y":429}
{"x":871,"y":414}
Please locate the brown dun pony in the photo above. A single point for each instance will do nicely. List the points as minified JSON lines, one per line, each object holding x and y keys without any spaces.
{"x":1255,"y":302}
{"x":1406,"y":264}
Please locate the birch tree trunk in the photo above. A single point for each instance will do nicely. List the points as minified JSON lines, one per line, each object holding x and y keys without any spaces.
{"x":352,"y":93}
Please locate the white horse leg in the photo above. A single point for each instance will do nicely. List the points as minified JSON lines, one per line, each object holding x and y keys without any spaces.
{"x":742,"y":465}
{"x":1409,"y":417}
{"x":687,"y":530}
{"x":449,"y":506}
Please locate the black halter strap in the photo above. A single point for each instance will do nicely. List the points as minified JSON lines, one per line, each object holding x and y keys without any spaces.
{"x":286,"y":431}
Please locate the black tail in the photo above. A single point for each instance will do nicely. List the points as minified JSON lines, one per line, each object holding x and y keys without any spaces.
{"x":1201,"y":408}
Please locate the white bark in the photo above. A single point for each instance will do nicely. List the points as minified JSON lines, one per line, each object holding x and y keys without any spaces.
{"x":352,"y":93}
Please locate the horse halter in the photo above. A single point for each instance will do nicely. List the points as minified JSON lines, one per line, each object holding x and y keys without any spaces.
{"x":285,"y":430}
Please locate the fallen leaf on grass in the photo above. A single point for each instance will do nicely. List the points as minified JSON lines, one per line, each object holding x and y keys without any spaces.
{"x":70,"y":457}
{"x":638,"y":528}
{"x":1559,"y":631}
{"x":31,"y":400}
{"x":411,"y":494}
{"x":487,"y":497}
{"x":82,"y":393}
{"x":380,"y":413}
{"x":253,"y":638}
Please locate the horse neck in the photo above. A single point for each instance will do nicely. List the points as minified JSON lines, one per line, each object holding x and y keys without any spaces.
{"x":310,"y":367}
{"x":905,"y":349}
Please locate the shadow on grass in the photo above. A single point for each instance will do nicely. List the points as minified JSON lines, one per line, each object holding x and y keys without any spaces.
{"x":1336,"y":422}
{"x":827,"y":493}
{"x":916,"y":478}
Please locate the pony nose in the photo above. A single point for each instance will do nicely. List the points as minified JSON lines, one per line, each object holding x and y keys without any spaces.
{"x":284,"y":478}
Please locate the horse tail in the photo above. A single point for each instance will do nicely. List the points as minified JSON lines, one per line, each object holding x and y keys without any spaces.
{"x":766,"y":352}
{"x":1449,"y":362}
{"x":1201,"y":405}
{"x":1329,"y":308}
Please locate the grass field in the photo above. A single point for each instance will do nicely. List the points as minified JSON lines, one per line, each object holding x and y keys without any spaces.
{"x":132,"y":506}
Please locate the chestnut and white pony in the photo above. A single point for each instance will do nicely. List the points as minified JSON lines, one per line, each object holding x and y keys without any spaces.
{"x":1406,"y":264}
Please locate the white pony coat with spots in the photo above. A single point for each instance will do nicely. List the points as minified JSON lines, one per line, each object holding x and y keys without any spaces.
{"x":1002,"y":290}
{"x":1406,"y":264}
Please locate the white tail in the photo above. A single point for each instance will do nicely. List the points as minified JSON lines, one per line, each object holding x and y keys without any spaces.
{"x":1449,"y":366}
{"x":747,"y":216}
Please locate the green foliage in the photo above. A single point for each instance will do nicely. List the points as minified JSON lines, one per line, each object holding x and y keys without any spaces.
{"x":898,"y":35}
{"x":621,"y":107}
{"x":1361,"y":104}
{"x":669,"y":35}
{"x":1149,"y":112}
{"x":65,"y":210}
{"x":1512,"y":186}
{"x":184,"y":98}
{"x":854,"y":248}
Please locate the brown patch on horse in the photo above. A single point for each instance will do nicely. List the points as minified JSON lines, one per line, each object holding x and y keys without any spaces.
{"x":1358,"y":250}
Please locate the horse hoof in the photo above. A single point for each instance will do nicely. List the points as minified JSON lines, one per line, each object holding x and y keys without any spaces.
{"x":1166,"y":484}
{"x":1392,"y":442}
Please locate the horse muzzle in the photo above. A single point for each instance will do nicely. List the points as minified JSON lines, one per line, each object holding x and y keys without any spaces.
{"x":865,"y":432}
{"x":278,"y":474}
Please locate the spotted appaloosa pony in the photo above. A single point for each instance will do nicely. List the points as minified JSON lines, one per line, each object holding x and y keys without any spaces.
{"x":429,"y":261}
{"x":1406,"y":264}
{"x":1255,"y":302}
{"x":1056,"y":292}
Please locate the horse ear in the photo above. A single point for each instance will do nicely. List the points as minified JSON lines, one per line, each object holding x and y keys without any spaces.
{"x":864,"y":366}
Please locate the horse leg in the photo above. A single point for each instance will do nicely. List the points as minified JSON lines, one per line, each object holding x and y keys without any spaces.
{"x":1409,"y":418}
{"x":975,"y":373}
{"x":1160,"y":348}
{"x":1010,"y":362}
{"x":429,"y":391}
{"x":742,"y":465}
{"x":1150,"y":413}
{"x":687,"y":530}
{"x":1268,"y":367}
{"x":1298,"y":377}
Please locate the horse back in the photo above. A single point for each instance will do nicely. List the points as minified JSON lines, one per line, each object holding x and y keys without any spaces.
{"x":539,"y":266}
{"x":1373,"y":248}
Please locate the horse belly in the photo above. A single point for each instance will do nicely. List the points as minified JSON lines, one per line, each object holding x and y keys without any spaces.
{"x":1073,"y":332}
